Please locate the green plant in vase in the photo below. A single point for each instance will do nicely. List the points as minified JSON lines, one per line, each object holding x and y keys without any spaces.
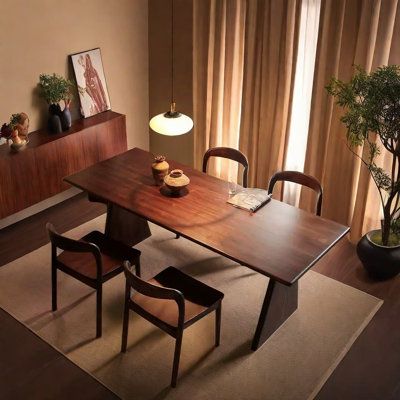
{"x":371,"y":104}
{"x":54,"y":88}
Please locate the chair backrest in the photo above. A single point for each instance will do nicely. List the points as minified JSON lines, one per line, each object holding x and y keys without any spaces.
{"x":77,"y":246}
{"x":150,"y":290}
{"x":231,"y":154}
{"x":301,"y":179}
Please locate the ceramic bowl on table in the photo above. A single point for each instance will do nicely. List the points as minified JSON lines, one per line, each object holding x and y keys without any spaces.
{"x":176,"y":181}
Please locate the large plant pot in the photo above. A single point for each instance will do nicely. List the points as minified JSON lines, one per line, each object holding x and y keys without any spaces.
{"x":381,"y":262}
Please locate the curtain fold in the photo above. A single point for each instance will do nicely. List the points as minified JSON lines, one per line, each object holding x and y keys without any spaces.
{"x":268,"y":79}
{"x":244,"y":65}
{"x":302,"y":90}
{"x":352,"y":32}
{"x":244,"y":62}
{"x":218,"y":36}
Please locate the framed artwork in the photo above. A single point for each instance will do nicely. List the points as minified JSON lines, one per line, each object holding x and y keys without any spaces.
{"x":91,"y":82}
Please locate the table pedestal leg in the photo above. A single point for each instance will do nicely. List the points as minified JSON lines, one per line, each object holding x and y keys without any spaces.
{"x":125,"y":226}
{"x":279,"y":304}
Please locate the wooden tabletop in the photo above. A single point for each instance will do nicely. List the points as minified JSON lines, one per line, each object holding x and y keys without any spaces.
{"x":32,"y":369}
{"x":279,"y":241}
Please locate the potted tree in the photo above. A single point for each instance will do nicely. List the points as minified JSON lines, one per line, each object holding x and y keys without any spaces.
{"x":55,"y":88}
{"x":371,"y":105}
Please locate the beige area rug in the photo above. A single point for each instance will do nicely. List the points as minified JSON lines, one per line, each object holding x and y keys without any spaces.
{"x":293,"y":364}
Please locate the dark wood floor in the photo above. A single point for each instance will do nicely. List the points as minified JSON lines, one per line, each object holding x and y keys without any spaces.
{"x":28,"y":364}
{"x":370,"y":370}
{"x":30,"y":234}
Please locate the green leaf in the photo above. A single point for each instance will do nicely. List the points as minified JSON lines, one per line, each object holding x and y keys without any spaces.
{"x":55,"y":88}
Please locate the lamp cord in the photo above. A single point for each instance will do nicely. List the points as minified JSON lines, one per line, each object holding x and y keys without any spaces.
{"x":172,"y":52}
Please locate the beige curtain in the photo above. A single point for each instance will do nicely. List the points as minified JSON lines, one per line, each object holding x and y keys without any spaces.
{"x":218,"y":35}
{"x":269,"y":67}
{"x":244,"y":60}
{"x":360,"y":32}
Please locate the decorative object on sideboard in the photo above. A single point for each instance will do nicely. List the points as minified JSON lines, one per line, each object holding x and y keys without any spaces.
{"x":160,"y":169}
{"x":55,"y":88}
{"x":16,"y":131}
{"x":91,"y":82}
{"x":22,"y":125}
{"x":172,"y":122}
{"x":54,"y":121}
{"x":176,"y":181}
{"x":372,"y":111}
{"x":66,"y":119}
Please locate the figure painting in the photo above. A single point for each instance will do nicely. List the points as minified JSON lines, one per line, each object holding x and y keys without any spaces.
{"x":91,"y":82}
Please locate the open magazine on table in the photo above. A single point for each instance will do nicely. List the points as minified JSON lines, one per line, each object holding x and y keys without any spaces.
{"x":250,"y":199}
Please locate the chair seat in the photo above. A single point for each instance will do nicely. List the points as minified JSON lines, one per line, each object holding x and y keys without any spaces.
{"x":113,"y":254}
{"x":199,"y":297}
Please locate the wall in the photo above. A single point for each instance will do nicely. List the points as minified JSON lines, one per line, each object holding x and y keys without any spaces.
{"x":37,"y":37}
{"x":179,"y":148}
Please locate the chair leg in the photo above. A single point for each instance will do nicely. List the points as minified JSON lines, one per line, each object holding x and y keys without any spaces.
{"x":125,"y":327}
{"x":137,"y":266}
{"x":53,"y":288}
{"x":218,"y":325}
{"x":99,"y":295}
{"x":177,"y":356}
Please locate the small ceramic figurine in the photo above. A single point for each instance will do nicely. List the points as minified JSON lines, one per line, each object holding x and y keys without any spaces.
{"x":160,"y":169}
{"x":22,"y":125}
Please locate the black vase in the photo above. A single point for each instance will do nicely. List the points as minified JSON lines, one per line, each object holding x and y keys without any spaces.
{"x":380,"y":262}
{"x":54,"y":122}
{"x":66,"y":120}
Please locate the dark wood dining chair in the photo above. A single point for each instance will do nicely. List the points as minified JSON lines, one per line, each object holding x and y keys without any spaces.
{"x":172,"y":301}
{"x":231,"y":154}
{"x":93,"y":260}
{"x":301,"y":179}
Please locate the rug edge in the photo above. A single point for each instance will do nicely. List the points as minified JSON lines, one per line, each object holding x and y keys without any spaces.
{"x":345,"y":284}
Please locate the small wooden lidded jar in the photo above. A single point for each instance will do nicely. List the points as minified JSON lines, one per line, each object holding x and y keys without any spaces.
{"x":160,"y":169}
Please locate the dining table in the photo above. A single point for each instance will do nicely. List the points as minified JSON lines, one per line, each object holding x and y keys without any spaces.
{"x":279,"y":241}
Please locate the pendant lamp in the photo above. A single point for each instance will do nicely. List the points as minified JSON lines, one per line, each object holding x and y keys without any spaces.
{"x":171,"y":123}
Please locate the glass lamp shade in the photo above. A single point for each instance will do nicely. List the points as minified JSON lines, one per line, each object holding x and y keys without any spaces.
{"x":171,"y":123}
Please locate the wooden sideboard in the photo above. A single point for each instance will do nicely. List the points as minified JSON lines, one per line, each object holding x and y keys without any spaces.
{"x":36,"y":173}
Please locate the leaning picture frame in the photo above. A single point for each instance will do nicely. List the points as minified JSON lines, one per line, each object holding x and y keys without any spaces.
{"x":91,"y":82}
